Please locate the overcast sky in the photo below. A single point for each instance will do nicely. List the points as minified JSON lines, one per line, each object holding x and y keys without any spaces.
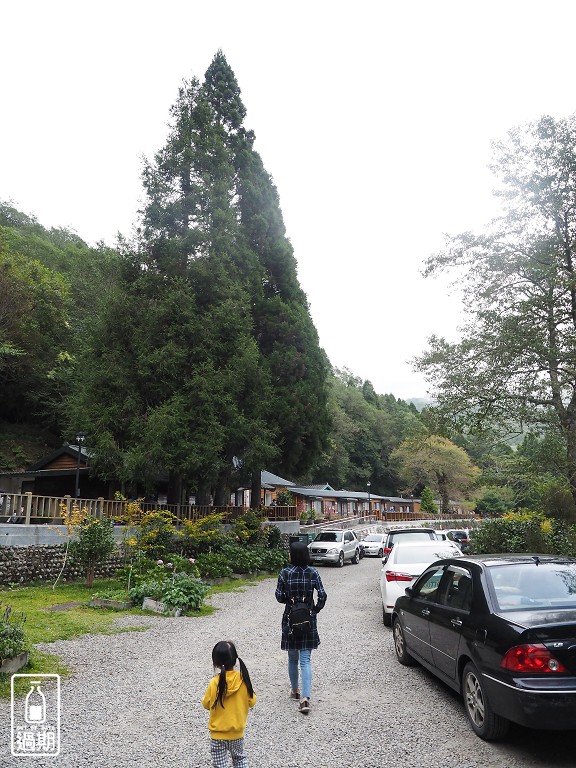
{"x":374,"y":119}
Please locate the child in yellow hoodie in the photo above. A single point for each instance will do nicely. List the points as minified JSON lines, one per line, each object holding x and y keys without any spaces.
{"x":228,"y":698}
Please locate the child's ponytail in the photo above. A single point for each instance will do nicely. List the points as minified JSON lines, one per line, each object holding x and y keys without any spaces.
{"x":222,"y":688}
{"x":246,"y":677}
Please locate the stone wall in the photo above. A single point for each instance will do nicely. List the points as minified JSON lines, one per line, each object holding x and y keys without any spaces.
{"x":22,"y":565}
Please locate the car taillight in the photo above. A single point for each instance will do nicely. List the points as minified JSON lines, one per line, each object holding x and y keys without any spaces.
{"x":387,"y":550}
{"x":531,"y":658}
{"x":397,"y":576}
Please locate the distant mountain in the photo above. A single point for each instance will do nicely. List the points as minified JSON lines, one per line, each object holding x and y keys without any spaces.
{"x":419,"y":402}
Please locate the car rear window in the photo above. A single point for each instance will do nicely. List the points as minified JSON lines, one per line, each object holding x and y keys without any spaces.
{"x":412,"y":536}
{"x":407,"y":554}
{"x":525,"y":585}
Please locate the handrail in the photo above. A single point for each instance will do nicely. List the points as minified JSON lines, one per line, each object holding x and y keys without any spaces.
{"x":28,"y":509}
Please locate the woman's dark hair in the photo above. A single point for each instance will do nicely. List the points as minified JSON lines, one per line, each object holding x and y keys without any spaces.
{"x":299,"y":554}
{"x":224,"y":655}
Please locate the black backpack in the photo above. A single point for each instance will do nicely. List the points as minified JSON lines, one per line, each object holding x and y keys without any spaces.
{"x":299,"y":619}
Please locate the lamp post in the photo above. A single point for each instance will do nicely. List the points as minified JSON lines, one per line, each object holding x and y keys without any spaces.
{"x":80,"y":437}
{"x":368,"y":486}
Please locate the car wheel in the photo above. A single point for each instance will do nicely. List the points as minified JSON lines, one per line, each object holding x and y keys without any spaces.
{"x":341,"y":560}
{"x":485,"y":723}
{"x":380,"y":553}
{"x":400,"y":645}
{"x":356,"y":558}
{"x":386,"y":617}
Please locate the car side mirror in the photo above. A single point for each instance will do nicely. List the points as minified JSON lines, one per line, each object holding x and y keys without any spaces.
{"x":409,"y":592}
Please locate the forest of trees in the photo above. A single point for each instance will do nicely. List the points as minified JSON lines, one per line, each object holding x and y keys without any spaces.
{"x":189,"y":351}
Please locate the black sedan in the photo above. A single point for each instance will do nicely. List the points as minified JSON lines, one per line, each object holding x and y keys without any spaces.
{"x":500,"y":630}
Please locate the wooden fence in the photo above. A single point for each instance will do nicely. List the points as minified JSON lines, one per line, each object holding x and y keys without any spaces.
{"x":29,"y":509}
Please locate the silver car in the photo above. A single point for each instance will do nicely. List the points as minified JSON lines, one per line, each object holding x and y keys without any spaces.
{"x":374,"y":544}
{"x":334,"y":547}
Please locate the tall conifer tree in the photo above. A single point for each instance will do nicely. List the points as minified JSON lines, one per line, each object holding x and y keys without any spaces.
{"x":218,"y":350}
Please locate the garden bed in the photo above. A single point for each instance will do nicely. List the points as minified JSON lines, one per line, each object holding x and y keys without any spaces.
{"x":13,"y":664}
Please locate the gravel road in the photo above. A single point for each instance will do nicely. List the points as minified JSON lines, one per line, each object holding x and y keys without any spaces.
{"x":134,"y":697}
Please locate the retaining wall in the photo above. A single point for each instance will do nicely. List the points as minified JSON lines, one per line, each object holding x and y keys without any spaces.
{"x":22,"y":565}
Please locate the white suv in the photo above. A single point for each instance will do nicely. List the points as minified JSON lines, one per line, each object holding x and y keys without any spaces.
{"x":335,"y":547}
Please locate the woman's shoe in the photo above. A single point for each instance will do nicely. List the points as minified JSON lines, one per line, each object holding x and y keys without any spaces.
{"x":304,"y":706}
{"x":295,"y":694}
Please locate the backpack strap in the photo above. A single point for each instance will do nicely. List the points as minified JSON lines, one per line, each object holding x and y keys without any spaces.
{"x":303,"y":597}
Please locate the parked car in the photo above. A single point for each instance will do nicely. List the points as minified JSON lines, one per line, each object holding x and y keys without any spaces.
{"x":373,"y":544}
{"x":461,"y":537}
{"x":404,"y":564}
{"x":500,"y":630}
{"x":335,"y":547}
{"x":403,"y":534}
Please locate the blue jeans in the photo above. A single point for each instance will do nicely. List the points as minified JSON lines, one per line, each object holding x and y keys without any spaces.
{"x":305,"y":669}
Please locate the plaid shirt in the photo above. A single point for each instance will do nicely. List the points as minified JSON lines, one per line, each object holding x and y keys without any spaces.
{"x":297,"y":582}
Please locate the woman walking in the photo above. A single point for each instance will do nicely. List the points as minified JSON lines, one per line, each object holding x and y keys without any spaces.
{"x":296,"y":583}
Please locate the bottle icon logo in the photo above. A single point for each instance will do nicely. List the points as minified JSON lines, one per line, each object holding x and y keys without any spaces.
{"x":35,"y":705}
{"x":35,"y":715}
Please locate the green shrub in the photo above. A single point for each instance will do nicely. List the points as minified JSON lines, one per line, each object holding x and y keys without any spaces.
{"x":12,"y":638}
{"x":284,"y":498}
{"x":524,"y":531}
{"x":156,"y":532}
{"x":213,"y":565}
{"x":94,"y":543}
{"x":247,"y":529}
{"x":274,"y":536}
{"x":202,"y":535}
{"x":178,"y":591}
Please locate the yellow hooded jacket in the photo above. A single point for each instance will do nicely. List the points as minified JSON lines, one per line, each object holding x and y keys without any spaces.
{"x":228,"y":722}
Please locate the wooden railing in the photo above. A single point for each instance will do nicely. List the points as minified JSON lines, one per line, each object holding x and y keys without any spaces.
{"x":29,"y":509}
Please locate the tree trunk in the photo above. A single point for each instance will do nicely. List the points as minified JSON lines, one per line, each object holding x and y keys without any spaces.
{"x":203,"y":494}
{"x":443,"y":491}
{"x":222,"y":489}
{"x":256,"y":490}
{"x":570,"y":435}
{"x":90,"y":573}
{"x":175,"y":486}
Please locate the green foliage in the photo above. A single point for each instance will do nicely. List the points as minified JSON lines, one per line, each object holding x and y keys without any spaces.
{"x":427,"y":503}
{"x":491,"y":504}
{"x":214,"y":565}
{"x":438,"y":462}
{"x":365,"y":430}
{"x":153,"y":534}
{"x":94,"y":543}
{"x":515,"y":361}
{"x":176,"y":591}
{"x":12,"y":638}
{"x":202,"y":534}
{"x":284,"y":498}
{"x":52,"y":283}
{"x":524,"y":531}
{"x":234,"y":558}
{"x":247,"y":529}
{"x":273,"y":536}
